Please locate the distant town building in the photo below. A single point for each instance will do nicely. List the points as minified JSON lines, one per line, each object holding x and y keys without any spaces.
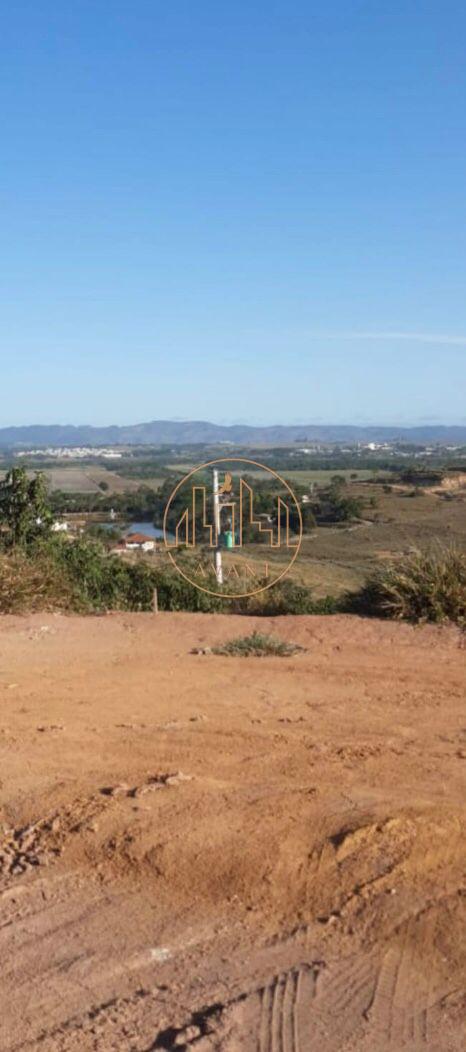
{"x":71,"y":453}
{"x":136,"y":542}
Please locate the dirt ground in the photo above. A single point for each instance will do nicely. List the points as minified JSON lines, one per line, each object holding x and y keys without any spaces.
{"x":231,"y":854}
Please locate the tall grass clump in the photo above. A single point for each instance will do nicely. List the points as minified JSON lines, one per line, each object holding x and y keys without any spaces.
{"x":421,"y":586}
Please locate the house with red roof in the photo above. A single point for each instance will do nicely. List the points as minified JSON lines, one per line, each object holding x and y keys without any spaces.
{"x":136,"y":542}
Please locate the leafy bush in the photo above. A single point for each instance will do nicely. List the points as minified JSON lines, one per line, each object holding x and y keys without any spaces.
{"x":285,"y":597}
{"x":333,"y":506}
{"x":174,"y":592}
{"x":258,"y":645}
{"x":80,"y":576}
{"x":421,"y":586}
{"x":329,"y":604}
{"x":24,"y":510}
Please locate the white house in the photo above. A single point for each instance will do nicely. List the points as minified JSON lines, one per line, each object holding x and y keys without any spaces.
{"x":136,"y":542}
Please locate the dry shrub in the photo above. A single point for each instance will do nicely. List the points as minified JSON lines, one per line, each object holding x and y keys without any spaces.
{"x":27,"y":585}
{"x":421,"y":586}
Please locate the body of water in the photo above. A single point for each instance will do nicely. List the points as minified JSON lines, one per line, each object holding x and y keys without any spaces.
{"x":137,"y":527}
{"x":143,"y":527}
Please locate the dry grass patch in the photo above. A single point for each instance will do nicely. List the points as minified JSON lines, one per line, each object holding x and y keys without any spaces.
{"x":258,"y":644}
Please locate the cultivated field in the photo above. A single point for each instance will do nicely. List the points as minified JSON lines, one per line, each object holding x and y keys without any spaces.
{"x":224,"y":854}
{"x":84,"y":479}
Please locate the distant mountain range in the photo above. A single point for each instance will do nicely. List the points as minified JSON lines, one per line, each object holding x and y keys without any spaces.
{"x":173,"y":432}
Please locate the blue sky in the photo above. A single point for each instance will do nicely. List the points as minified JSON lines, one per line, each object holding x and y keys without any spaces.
{"x":235,"y":212}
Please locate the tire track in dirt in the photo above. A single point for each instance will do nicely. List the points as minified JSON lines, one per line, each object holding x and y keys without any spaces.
{"x":408,"y":987}
{"x":282,"y":1010}
{"x":359,"y":1004}
{"x":386,"y":1000}
{"x":380,"y":996}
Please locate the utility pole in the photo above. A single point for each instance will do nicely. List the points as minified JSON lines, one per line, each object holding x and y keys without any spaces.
{"x":218,"y":552}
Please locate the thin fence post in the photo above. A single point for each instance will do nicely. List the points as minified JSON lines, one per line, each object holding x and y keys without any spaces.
{"x":155,"y":602}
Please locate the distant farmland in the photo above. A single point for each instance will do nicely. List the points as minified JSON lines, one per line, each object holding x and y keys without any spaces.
{"x":85,"y":480}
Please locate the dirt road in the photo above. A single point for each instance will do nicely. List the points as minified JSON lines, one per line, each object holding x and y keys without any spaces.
{"x":228,"y":854}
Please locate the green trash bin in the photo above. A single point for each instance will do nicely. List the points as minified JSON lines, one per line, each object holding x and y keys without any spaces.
{"x":229,"y":538}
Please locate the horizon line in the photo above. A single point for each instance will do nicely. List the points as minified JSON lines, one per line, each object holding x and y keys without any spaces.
{"x":423,"y":424}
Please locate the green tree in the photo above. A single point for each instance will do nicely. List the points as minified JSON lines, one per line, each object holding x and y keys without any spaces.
{"x":25,"y":514}
{"x":332,"y":506}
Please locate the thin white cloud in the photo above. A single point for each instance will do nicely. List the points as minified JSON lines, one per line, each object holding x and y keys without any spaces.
{"x":413,"y":337}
